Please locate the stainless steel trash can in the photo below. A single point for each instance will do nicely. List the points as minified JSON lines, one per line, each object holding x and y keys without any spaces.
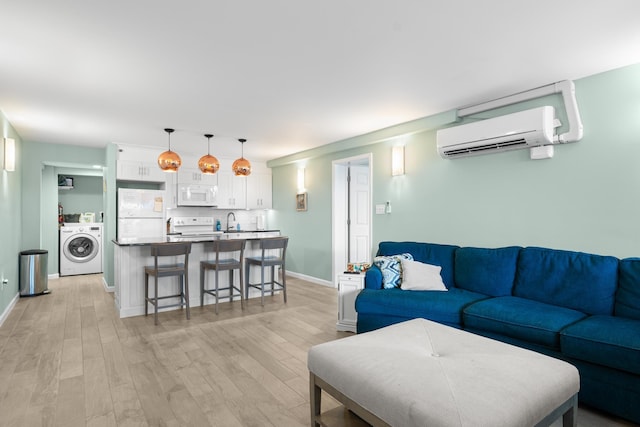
{"x":33,"y":272}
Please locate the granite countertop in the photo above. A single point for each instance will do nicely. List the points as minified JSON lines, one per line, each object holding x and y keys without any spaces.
{"x":243,"y":234}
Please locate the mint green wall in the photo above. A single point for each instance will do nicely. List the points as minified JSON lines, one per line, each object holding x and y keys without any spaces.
{"x":585,"y":198}
{"x":40,"y":202}
{"x":110,"y":212}
{"x":86,"y":196}
{"x":10,"y":218}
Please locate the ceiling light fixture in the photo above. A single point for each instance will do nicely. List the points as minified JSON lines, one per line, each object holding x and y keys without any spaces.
{"x":208,"y":164}
{"x":242,"y":166}
{"x":169,"y":161}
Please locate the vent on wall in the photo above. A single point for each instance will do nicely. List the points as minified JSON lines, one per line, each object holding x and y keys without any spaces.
{"x":533,"y":129}
{"x":529,"y":128}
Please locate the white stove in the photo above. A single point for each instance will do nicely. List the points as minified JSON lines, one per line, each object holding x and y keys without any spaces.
{"x":193,"y":226}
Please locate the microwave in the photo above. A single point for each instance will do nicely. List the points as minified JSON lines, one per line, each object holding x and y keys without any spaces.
{"x":197,"y":195}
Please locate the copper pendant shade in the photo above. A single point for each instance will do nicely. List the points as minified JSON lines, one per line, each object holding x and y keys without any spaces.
{"x":208,"y":164}
{"x":169,"y":161}
{"x":242,"y":166}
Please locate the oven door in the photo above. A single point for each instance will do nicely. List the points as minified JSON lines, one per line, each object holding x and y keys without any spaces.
{"x":197,"y":195}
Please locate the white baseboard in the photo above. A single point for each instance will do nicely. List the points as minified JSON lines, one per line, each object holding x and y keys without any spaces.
{"x":53,"y":276}
{"x":106,"y":286}
{"x":7,"y":311}
{"x":311,"y":279}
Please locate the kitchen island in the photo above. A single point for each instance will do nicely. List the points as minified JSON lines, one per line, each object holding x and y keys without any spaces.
{"x":131,"y":255}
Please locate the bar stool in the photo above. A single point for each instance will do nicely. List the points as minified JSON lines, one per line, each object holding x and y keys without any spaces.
{"x":271,"y":243}
{"x":165,"y":270}
{"x":223,"y":247}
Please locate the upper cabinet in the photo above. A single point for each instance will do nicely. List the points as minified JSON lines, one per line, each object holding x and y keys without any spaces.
{"x":131,"y":170}
{"x":231,"y":190}
{"x":259,"y":192}
{"x":188,"y":175}
{"x":139,"y":164}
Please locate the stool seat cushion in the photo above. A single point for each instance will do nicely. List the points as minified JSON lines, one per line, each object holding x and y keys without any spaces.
{"x":421,"y":373}
{"x":228,"y":261}
{"x":164,"y":268}
{"x":267,"y":258}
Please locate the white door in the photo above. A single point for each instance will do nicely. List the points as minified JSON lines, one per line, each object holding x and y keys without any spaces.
{"x":351,"y":211}
{"x":359,"y":215}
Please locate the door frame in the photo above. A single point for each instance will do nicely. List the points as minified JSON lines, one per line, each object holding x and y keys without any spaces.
{"x":339,"y":214}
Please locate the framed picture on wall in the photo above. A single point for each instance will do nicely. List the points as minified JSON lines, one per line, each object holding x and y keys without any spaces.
{"x":301,"y":202}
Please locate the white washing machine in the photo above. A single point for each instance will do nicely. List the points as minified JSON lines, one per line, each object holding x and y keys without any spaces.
{"x":80,"y":249}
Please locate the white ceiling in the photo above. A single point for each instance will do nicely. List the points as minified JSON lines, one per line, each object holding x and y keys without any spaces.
{"x":288,"y":75}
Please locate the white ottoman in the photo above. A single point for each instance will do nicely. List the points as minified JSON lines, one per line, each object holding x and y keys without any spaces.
{"x":421,"y":373}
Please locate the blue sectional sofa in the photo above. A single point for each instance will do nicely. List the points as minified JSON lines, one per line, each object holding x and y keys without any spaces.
{"x":579,"y":307}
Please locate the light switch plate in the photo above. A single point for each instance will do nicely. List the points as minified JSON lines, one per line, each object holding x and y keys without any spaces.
{"x":380,"y":209}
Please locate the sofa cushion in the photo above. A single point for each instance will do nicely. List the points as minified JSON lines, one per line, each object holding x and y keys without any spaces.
{"x":604,"y":340}
{"x":575,"y":280}
{"x":391,"y":268}
{"x":519,"y":318}
{"x":628,"y":293}
{"x":430,"y":253}
{"x":443,"y":307}
{"x":418,"y":276}
{"x":486,"y":271}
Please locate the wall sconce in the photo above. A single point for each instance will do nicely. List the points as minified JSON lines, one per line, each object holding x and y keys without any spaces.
{"x":397,"y":160}
{"x":300,"y":180}
{"x":9,"y":155}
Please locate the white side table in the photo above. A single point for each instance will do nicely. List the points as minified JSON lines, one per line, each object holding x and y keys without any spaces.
{"x":349,"y":285}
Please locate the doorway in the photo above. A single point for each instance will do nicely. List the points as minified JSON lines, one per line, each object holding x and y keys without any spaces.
{"x":351,"y":211}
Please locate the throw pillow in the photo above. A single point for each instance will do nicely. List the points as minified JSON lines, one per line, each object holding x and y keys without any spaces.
{"x":418,"y":276}
{"x":391,"y":268}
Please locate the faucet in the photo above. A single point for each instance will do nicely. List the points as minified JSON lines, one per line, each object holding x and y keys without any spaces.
{"x":234,"y":219}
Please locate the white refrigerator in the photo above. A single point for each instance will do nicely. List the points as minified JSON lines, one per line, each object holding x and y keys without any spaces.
{"x":140,"y":213}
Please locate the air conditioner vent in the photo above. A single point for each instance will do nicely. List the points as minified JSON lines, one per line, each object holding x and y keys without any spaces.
{"x":524,"y":129}
{"x":495,"y":147}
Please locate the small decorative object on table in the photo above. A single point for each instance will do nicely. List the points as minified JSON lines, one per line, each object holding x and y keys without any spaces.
{"x":357,"y":267}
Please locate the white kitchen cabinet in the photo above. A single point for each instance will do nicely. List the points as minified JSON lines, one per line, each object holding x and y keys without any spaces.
{"x":231,"y":190}
{"x":259,"y":190}
{"x":131,"y":170}
{"x":349,"y":286}
{"x":139,"y":164}
{"x":188,"y":175}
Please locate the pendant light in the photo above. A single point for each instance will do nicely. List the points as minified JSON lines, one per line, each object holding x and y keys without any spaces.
{"x":208,"y":164}
{"x":242,"y":166}
{"x":169,"y":161}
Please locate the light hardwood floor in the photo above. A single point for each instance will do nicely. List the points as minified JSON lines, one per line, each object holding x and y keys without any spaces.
{"x":66,"y":359}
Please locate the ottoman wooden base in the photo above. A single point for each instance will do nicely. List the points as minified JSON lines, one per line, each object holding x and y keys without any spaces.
{"x":421,"y":373}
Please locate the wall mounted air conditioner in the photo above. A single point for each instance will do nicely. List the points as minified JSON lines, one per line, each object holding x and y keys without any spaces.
{"x":524,"y":129}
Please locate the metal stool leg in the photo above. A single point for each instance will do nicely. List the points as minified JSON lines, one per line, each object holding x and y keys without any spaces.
{"x":247,"y":275}
{"x":284,"y":285}
{"x":203,"y":273}
{"x":262,"y":282}
{"x":155,"y":306}
{"x":216,"y":286}
{"x":146,"y":294}
{"x":240,"y":288}
{"x":273,"y":279}
{"x":185,"y":286}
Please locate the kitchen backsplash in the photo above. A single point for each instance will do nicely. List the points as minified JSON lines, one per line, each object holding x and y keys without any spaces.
{"x":246,"y":219}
